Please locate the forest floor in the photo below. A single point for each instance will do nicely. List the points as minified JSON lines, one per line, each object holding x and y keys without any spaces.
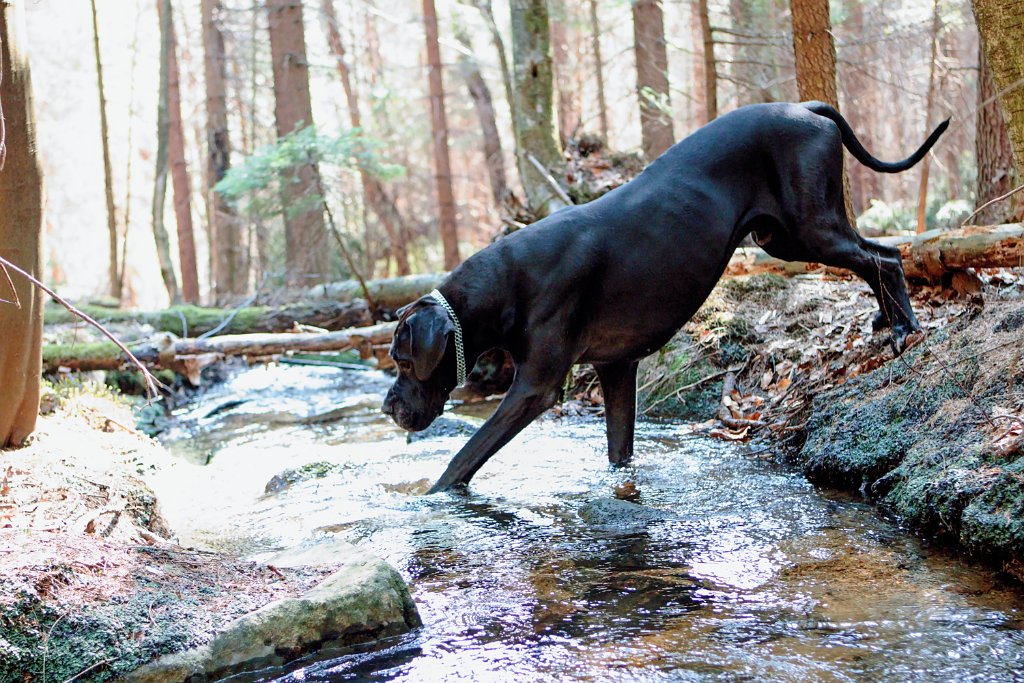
{"x":933,"y":436}
{"x":90,"y":582}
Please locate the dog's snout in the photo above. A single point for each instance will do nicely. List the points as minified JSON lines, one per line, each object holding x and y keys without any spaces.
{"x":388,"y":407}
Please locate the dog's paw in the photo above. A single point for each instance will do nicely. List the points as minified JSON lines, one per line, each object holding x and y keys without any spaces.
{"x":879,"y":322}
{"x":902,"y":338}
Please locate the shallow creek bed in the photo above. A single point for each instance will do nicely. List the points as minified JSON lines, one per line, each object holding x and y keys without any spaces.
{"x":725,"y":566}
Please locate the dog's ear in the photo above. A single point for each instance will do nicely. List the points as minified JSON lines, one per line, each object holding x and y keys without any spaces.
{"x":428,"y":336}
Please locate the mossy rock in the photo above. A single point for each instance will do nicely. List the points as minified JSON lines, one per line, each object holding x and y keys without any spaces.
{"x":294,"y":475}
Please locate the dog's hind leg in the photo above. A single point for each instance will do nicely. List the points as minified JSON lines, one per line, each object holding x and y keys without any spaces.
{"x":618,"y":382}
{"x":840,"y":246}
{"x":832,"y":241}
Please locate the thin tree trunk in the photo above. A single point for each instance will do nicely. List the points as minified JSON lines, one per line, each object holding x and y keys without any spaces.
{"x":815,"y":51}
{"x":994,"y":154}
{"x":922,"y":195}
{"x":163,"y":242}
{"x":439,"y":124}
{"x":494,"y":157}
{"x":305,"y":233}
{"x":710,"y":64}
{"x":486,"y":11}
{"x":652,"y":77}
{"x":595,"y":46}
{"x":1000,"y":23}
{"x":534,"y":82}
{"x":122,"y":271}
{"x":113,"y":271}
{"x":565,"y":71}
{"x":179,"y":174}
{"x":21,"y":234}
{"x":374,"y":194}
{"x":230,"y":252}
{"x":861,"y":105}
{"x":699,"y":98}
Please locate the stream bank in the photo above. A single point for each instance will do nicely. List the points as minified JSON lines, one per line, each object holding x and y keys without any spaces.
{"x":94,"y":585}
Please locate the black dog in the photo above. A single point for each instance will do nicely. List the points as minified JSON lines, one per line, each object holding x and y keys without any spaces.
{"x":611,"y":281}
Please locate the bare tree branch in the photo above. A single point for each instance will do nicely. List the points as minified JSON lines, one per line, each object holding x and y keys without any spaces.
{"x":152,"y":383}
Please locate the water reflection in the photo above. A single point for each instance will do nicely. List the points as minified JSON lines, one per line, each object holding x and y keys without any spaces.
{"x":726,"y":569}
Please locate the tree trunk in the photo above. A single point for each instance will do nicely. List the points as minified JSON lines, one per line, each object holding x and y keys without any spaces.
{"x":494,"y":156}
{"x":566,"y":71}
{"x":439,"y":126}
{"x":922,"y":195}
{"x":163,"y":242}
{"x":21,"y":232}
{"x":994,"y":154}
{"x":113,"y":272}
{"x":1000,"y":23}
{"x":814,"y":48}
{"x":595,"y":46}
{"x":652,"y":77}
{"x":374,"y":194}
{"x":861,"y":105}
{"x":535,"y":124}
{"x":710,"y":63}
{"x":179,"y":173}
{"x":306,"y":246}
{"x":230,"y":252}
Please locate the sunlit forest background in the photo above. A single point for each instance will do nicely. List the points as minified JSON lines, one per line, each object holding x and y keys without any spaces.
{"x":890,"y":89}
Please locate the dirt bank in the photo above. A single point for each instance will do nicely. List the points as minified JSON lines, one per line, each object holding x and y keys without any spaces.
{"x":92,"y":584}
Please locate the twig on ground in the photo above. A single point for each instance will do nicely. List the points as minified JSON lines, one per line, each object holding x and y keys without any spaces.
{"x":152,"y":383}
{"x":87,"y":670}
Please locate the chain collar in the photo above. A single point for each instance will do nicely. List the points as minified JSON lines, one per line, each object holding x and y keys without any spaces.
{"x":460,"y":349}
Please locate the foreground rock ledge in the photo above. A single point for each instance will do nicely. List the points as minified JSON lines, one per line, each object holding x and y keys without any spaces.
{"x":364,"y":600}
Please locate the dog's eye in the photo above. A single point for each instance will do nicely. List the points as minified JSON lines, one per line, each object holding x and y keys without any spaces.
{"x":404,"y":365}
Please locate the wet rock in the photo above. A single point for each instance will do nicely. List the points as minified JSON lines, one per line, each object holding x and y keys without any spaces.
{"x":364,"y":600}
{"x":444,"y":426}
{"x":622,"y":514}
{"x":294,"y":475}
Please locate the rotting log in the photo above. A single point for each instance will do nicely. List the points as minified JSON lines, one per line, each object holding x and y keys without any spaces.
{"x":186,"y":356}
{"x":928,"y":256}
{"x":195,"y":320}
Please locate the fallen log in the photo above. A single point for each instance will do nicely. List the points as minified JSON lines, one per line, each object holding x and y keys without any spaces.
{"x":389,"y":293}
{"x":927,"y":256}
{"x":195,"y":320}
{"x":185,"y":355}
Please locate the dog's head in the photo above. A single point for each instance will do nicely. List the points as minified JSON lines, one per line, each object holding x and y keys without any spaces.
{"x":426,"y":365}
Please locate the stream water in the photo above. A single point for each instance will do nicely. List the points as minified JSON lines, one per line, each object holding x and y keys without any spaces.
{"x":727,"y":567}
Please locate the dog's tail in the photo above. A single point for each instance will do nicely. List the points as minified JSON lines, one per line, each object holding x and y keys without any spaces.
{"x":862,"y":155}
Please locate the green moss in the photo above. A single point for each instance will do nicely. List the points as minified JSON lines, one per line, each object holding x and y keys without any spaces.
{"x":53,"y":353}
{"x":994,"y":520}
{"x":120,"y":632}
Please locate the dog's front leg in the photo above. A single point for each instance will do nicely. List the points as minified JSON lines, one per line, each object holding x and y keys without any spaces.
{"x":618,"y":383}
{"x":523,"y":403}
